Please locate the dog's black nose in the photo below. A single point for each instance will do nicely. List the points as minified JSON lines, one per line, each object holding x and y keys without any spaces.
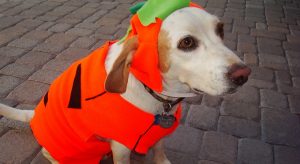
{"x":238,"y":74}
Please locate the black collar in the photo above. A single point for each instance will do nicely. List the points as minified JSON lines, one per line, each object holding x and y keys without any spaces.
{"x":167,"y":104}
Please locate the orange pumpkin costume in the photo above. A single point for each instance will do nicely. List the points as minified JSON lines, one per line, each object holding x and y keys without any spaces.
{"x":77,"y":111}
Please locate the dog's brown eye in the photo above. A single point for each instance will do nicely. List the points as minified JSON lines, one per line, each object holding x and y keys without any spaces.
{"x":188,"y":43}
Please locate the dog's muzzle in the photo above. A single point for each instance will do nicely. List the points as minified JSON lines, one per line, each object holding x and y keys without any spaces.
{"x":197,"y":91}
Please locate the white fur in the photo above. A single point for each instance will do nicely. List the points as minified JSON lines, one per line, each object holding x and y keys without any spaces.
{"x":121,"y":153}
{"x":16,"y":114}
{"x":203,"y":69}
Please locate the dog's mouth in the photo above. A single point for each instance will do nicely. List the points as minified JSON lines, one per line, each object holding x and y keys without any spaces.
{"x":231,"y":90}
{"x":197,"y":91}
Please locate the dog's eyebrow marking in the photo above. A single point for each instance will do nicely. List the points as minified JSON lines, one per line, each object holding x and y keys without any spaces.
{"x":220,"y":29}
{"x":75,"y":99}
{"x":163,"y":51}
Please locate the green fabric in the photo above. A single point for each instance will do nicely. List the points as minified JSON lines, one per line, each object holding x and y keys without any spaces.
{"x":136,"y":7}
{"x":153,"y":9}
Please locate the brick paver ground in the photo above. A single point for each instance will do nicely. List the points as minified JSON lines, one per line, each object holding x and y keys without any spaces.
{"x":258,"y":124}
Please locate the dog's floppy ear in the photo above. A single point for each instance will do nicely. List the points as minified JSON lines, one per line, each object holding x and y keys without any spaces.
{"x":116,"y":81}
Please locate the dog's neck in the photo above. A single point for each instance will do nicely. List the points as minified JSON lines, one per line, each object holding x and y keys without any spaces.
{"x":135,"y":92}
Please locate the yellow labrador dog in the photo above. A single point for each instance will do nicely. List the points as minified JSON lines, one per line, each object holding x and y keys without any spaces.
{"x":193,"y":60}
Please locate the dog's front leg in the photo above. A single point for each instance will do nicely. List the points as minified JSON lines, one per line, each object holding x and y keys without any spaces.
{"x":48,"y":156}
{"x":159,"y":153}
{"x":121,"y":154}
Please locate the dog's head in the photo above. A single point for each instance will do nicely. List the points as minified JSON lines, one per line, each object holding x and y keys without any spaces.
{"x":192,"y":56}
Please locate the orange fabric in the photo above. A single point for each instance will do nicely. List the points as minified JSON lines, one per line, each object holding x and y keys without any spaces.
{"x":192,"y":4}
{"x":70,"y":134}
{"x":145,"y":66}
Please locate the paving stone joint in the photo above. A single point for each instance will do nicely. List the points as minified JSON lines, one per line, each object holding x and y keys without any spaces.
{"x":260,"y":123}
